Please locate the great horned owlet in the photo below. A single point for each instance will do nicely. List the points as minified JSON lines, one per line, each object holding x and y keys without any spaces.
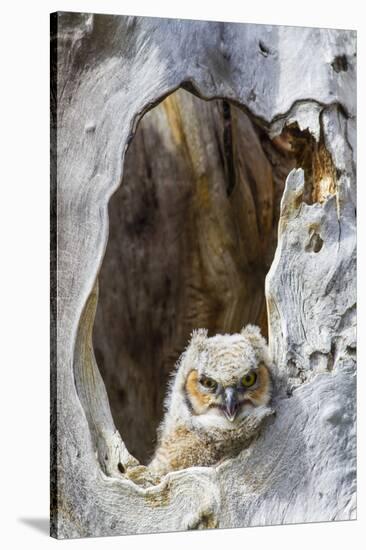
{"x":216,"y":401}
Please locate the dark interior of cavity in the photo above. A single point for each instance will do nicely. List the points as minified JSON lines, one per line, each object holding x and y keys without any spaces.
{"x":193,"y":231}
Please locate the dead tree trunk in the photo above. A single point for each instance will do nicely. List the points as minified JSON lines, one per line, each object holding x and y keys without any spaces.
{"x":287,"y":88}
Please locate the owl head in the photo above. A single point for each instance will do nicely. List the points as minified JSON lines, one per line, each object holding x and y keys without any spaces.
{"x":222,"y":380}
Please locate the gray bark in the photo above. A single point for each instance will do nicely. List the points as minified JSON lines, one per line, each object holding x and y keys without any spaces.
{"x":108,"y":71}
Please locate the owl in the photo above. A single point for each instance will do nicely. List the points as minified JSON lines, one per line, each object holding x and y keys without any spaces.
{"x":217,"y":398}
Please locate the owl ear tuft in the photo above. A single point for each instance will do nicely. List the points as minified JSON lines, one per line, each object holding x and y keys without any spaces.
{"x":251,"y":331}
{"x":253,"y":334}
{"x":198,"y":338}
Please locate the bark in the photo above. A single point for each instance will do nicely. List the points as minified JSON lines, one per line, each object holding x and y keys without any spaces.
{"x":288,"y":89}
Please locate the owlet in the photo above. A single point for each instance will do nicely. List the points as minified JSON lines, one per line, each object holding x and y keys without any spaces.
{"x":216,"y":401}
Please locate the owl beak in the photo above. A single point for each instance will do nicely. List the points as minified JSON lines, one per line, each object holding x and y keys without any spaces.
{"x":231,"y":404}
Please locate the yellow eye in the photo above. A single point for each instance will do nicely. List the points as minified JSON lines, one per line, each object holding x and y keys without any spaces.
{"x":208,"y":383}
{"x":249,"y":379}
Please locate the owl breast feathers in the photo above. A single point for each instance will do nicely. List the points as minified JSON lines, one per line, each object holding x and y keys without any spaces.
{"x":216,"y":401}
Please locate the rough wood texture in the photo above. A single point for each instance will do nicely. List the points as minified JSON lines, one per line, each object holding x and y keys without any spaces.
{"x":192,"y":234}
{"x":107,"y":72}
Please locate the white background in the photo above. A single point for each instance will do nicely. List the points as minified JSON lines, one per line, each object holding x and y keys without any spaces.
{"x":24,"y":270}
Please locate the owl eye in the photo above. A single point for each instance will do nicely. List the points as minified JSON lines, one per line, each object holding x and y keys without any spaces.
{"x":208,"y":383}
{"x":249,"y":379}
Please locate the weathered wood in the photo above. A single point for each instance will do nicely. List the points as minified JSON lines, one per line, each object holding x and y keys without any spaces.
{"x":110,"y":71}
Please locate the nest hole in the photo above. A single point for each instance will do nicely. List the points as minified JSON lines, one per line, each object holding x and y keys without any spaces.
{"x":192,"y":235}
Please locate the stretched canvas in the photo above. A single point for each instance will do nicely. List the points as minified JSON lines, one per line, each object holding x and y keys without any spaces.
{"x":203,"y":275}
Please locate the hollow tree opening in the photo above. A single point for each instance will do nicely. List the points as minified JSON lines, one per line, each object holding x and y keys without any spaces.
{"x":193,"y":231}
